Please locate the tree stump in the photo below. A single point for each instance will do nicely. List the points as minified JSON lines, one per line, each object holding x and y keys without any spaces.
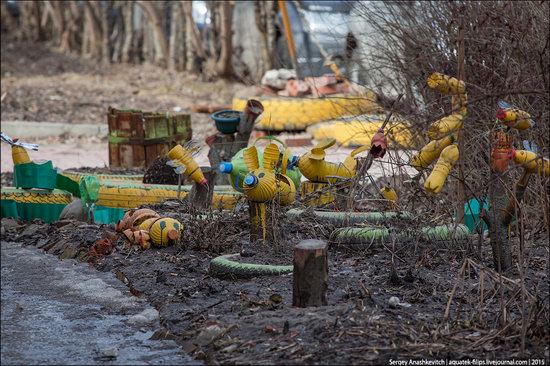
{"x":200,"y":195}
{"x":310,"y":273}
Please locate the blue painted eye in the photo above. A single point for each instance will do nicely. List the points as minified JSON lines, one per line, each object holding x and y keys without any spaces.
{"x":176,"y":226}
{"x":261,"y":175}
{"x":162,"y":225}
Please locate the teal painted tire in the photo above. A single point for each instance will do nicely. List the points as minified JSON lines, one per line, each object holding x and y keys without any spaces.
{"x":224,"y":266}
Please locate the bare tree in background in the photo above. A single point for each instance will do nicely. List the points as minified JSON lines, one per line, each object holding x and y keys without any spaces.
{"x":507,"y":57}
{"x":160,"y":32}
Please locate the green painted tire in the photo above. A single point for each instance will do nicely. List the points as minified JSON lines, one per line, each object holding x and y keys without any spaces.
{"x":360,"y":236}
{"x":224,"y":266}
{"x":340,"y":219}
{"x":30,"y":204}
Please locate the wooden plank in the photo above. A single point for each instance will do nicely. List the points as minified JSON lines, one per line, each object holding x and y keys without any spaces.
{"x":126,"y":156}
{"x":139,"y":156}
{"x":151,"y":154}
{"x":137,"y":119}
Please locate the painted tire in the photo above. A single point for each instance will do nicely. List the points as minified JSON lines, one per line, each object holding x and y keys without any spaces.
{"x":55,"y":196}
{"x":296,"y":114}
{"x":77,"y":176}
{"x":32,"y":204}
{"x":224,"y":266}
{"x":129,"y":195}
{"x":369,"y":236}
{"x":340,"y":219}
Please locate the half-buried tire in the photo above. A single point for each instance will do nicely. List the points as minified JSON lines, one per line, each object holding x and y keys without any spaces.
{"x":226,"y":266}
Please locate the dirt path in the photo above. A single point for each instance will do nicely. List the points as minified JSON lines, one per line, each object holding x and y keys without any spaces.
{"x":43,"y":85}
{"x":236,"y":321}
{"x":64,"y":312}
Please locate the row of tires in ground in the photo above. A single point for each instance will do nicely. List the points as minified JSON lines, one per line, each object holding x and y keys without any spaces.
{"x":112,"y":196}
{"x":359,"y":238}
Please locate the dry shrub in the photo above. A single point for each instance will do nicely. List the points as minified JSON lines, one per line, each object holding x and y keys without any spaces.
{"x":507,"y":57}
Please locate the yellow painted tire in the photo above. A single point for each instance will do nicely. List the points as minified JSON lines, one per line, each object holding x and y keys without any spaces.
{"x":296,"y":114}
{"x":310,"y":198}
{"x":77,"y":176}
{"x":131,"y":195}
{"x":359,"y":132}
{"x":42,"y":196}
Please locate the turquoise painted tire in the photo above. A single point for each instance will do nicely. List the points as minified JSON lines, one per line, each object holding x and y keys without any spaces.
{"x":340,"y":219}
{"x":368,"y":236}
{"x":225,"y":266}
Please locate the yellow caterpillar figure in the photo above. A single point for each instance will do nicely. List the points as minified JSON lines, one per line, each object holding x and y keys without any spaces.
{"x":313,"y":166}
{"x":442,"y":168}
{"x":389,"y":193}
{"x":531,"y":162}
{"x":445,"y":126}
{"x":144,"y":227}
{"x":429,"y":153}
{"x":513,"y":117}
{"x":262,"y":184}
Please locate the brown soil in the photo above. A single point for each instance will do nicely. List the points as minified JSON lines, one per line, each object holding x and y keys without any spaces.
{"x":236,"y":321}
{"x":44,"y":85}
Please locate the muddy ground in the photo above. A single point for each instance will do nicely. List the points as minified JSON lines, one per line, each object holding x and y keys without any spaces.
{"x":237,"y":321}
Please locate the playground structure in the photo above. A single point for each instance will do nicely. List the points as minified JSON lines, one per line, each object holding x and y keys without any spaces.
{"x":271,"y":179}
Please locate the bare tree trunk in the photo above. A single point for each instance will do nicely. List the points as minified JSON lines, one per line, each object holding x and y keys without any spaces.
{"x":182,"y":65}
{"x":160,"y":42}
{"x":117,"y":34}
{"x":26,"y":20}
{"x":263,"y":13}
{"x":38,"y":35}
{"x":8,"y":20}
{"x":223,"y":64}
{"x":94,"y":28}
{"x":85,"y":46}
{"x":189,"y":46}
{"x":194,"y":44}
{"x":175,"y":20}
{"x":58,"y":21}
{"x":128,"y":13}
{"x":105,"y":44}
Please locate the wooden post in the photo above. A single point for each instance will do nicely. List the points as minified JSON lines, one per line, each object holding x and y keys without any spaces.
{"x":200,"y":195}
{"x":310,"y":273}
{"x":461,"y":196}
{"x":498,"y":202}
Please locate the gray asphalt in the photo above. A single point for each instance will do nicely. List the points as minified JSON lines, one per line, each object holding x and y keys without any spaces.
{"x":65,"y":312}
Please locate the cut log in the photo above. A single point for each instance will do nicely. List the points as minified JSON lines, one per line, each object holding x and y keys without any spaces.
{"x":310,"y":273}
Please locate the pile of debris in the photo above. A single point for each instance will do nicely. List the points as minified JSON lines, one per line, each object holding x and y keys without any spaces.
{"x":284,"y":82}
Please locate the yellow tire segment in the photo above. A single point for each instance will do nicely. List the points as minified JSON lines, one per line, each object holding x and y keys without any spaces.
{"x":134,"y":195}
{"x":297,"y":113}
{"x":43,"y":196}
